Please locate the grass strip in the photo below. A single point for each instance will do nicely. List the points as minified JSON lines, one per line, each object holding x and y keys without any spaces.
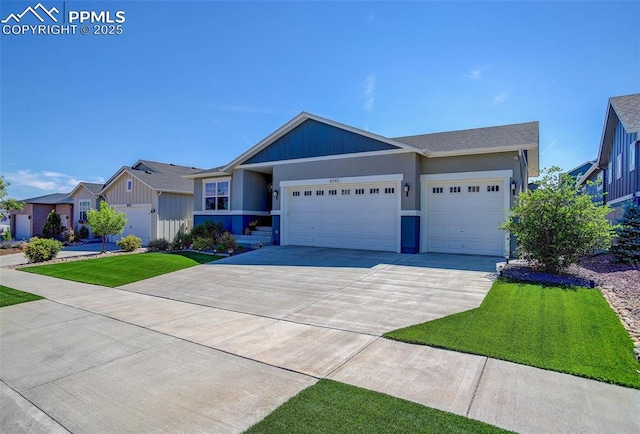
{"x":119,"y":270}
{"x":333,"y":407}
{"x":10,"y":296}
{"x":570,"y":330}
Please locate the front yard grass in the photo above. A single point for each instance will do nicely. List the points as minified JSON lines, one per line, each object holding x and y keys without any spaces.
{"x":120,"y":270}
{"x":332,"y":407}
{"x":567,"y":330}
{"x":10,"y":296}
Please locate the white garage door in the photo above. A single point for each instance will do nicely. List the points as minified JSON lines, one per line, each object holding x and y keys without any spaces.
{"x":350,"y":216}
{"x":464,"y":217}
{"x":138,"y":222}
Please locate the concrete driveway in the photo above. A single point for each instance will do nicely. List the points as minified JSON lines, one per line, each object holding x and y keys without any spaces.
{"x":217,"y":347}
{"x":353,"y":290}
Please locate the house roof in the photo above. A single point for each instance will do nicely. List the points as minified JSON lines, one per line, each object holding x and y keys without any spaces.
{"x":94,"y":188}
{"x":51,"y":199}
{"x":580,"y":170}
{"x":466,"y":142}
{"x":624,"y":108}
{"x":158,"y":176}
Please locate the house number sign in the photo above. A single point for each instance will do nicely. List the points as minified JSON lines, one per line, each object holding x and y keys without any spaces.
{"x":334,"y":181}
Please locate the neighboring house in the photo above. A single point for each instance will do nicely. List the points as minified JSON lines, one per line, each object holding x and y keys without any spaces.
{"x":29,"y":222}
{"x":317,"y":182}
{"x":86,"y":196}
{"x":618,"y":154}
{"x":586,"y":174}
{"x":155,"y":197}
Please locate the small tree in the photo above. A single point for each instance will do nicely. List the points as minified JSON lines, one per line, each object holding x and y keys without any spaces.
{"x":52,"y":227}
{"x":8,"y":204}
{"x":105,"y":221}
{"x":627,"y":247}
{"x":555,"y":225}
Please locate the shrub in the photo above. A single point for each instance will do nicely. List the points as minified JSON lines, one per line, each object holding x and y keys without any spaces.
{"x":203,"y":243}
{"x":208,"y":229}
{"x":82,"y":233}
{"x":41,"y":249}
{"x":227,"y":242}
{"x":6,"y":235}
{"x":129,"y":243}
{"x":52,"y":227}
{"x":180,"y":241}
{"x":627,"y":247}
{"x":159,"y":244}
{"x":555,"y":225}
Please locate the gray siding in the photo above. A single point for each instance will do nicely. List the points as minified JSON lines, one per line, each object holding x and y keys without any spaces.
{"x":117,"y":192}
{"x":174,"y":214}
{"x":197,"y":194}
{"x":255,"y":193}
{"x":405,"y":164}
{"x":83,"y":194}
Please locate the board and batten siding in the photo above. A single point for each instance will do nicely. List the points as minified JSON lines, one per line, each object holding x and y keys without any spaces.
{"x":626,"y":182}
{"x":80,"y":195}
{"x":174,"y":214}
{"x":117,"y":192}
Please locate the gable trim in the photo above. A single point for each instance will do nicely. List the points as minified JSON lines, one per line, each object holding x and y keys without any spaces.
{"x":119,"y":174}
{"x":298,"y":120}
{"x":77,"y":187}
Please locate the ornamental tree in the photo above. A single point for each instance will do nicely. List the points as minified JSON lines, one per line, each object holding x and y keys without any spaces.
{"x":627,"y":246}
{"x":106,"y":221}
{"x":52,"y":227}
{"x":555,"y":225}
{"x":8,"y":204}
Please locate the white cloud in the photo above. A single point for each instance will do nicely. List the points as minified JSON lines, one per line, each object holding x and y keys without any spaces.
{"x":549,"y":147}
{"x":45,"y":181}
{"x":501,"y":97}
{"x":369,"y":91}
{"x":474,"y":74}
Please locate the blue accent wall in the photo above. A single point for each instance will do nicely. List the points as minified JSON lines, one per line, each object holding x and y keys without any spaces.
{"x":225,"y":219}
{"x":410,"y":234}
{"x":316,"y":139}
{"x":275,"y":224}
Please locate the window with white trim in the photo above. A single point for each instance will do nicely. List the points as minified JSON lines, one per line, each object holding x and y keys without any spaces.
{"x":216,"y":195}
{"x":129,"y":185}
{"x":609,"y":173}
{"x":619,"y":166}
{"x":83,"y":207}
{"x":632,"y":156}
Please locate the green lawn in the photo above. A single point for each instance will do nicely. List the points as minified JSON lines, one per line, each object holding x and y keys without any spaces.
{"x":567,"y":330}
{"x":332,"y":407}
{"x":119,"y":270}
{"x":9,"y":296}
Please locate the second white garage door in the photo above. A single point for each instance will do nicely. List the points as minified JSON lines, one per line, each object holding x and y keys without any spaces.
{"x":350,"y":216}
{"x":464,"y":217}
{"x":138,"y":222}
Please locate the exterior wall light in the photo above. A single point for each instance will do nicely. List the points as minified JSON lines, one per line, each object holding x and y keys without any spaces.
{"x":406,"y":188}
{"x":513,"y":187}
{"x":275,"y":194}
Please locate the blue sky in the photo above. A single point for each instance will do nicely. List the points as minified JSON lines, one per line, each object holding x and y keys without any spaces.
{"x":198,"y":83}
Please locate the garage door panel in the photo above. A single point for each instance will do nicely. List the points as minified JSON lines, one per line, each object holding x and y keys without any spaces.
{"x":138,"y":222}
{"x":358,"y":216}
{"x":464,"y":217}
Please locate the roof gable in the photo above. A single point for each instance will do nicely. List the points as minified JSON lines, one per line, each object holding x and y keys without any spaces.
{"x":92,"y":187}
{"x":163,"y":177}
{"x":626,"y":110}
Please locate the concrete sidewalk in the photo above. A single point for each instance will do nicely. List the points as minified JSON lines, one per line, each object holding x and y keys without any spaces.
{"x":93,"y":359}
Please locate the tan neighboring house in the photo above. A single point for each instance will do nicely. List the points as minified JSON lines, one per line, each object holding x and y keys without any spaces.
{"x":156,"y":199}
{"x":29,"y":222}
{"x":86,"y":196}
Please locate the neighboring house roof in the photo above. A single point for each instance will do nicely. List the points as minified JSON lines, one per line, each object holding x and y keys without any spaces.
{"x":583,"y":179}
{"x":51,"y":199}
{"x":92,"y":187}
{"x":580,"y":170}
{"x":158,"y":176}
{"x":626,"y":109}
{"x":466,"y":142}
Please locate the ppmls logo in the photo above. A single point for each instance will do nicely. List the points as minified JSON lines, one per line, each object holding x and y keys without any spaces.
{"x":70,"y":22}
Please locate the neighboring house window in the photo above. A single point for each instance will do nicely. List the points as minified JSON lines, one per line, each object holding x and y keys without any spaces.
{"x":609,"y":173}
{"x":83,"y":207}
{"x":216,"y":195}
{"x":619,"y":166}
{"x":632,"y":157}
{"x":129,"y":185}
{"x":599,"y":181}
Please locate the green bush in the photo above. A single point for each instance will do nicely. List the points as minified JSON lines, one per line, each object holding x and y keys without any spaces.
{"x":52,"y":227}
{"x":82,"y":233}
{"x":227,"y":242}
{"x":208,"y":229}
{"x":6,"y":235}
{"x":180,"y":241}
{"x":203,"y":243}
{"x":42,"y":249}
{"x":159,"y":244}
{"x":129,"y":243}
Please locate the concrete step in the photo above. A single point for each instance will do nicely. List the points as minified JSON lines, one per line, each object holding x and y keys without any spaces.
{"x":263,"y":229}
